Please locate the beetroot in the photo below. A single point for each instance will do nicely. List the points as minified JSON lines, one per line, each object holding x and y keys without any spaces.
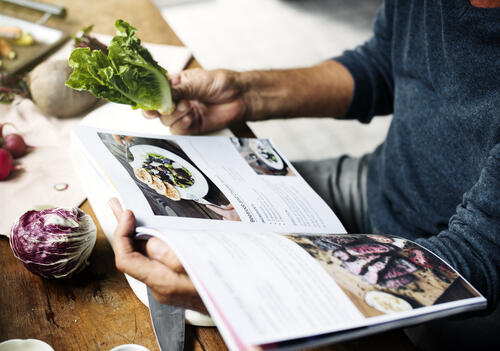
{"x":14,"y":143}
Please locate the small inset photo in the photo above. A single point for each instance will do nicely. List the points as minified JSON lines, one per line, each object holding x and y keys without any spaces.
{"x":262,"y":157}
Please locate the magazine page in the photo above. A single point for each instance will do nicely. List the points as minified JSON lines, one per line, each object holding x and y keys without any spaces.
{"x":271,"y":291}
{"x":261,"y":288}
{"x":207,"y":182}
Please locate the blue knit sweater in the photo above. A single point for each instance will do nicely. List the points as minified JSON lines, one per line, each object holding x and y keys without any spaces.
{"x":435,"y":64}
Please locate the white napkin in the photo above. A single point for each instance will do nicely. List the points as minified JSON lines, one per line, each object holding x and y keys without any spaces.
{"x":49,"y":163}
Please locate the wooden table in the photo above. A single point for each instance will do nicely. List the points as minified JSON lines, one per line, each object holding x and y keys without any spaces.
{"x":97,"y":310}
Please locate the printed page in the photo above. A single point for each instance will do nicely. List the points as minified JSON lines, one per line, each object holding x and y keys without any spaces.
{"x":271,"y":291}
{"x":261,"y":288}
{"x":207,"y":182}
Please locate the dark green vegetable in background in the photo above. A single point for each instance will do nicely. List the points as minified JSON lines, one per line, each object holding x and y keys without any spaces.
{"x":85,"y":40}
{"x":12,"y":85}
{"x":128,"y":74}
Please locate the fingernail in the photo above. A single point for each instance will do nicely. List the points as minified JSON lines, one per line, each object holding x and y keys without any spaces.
{"x":157,"y":250}
{"x":112,"y":202}
{"x":153,"y":113}
{"x":182,"y":106}
{"x":175,"y":79}
{"x":185,"y":121}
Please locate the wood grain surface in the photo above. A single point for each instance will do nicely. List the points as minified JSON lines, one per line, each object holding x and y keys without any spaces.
{"x":97,"y":310}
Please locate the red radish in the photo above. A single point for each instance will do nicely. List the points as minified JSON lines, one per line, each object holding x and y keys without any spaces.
{"x":6,"y":163}
{"x":14,"y":143}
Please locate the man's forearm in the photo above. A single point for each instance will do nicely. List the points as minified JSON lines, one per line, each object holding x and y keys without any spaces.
{"x":324,"y":90}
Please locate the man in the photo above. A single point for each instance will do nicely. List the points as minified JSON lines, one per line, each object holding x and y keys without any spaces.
{"x":436,"y":178}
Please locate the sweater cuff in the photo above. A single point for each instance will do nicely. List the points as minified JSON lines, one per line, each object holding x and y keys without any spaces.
{"x":361,"y":101}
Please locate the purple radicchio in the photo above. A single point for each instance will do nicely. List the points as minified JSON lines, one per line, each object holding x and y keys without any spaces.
{"x":53,"y":243}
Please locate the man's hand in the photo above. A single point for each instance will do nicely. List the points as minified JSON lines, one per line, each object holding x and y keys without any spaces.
{"x":158,"y":267}
{"x":228,"y":212}
{"x":206,"y":101}
{"x":211,"y":100}
{"x":122,"y":139}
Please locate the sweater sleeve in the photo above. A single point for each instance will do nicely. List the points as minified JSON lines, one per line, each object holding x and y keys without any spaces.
{"x":471,"y":243}
{"x":371,"y":68}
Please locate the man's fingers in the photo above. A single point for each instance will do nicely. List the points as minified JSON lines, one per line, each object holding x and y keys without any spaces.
{"x":185,"y":298}
{"x":162,"y":279}
{"x":161,"y":252}
{"x":135,"y":264}
{"x":118,"y":139}
{"x":127,"y":258}
{"x":116,"y":207}
{"x":218,"y":210}
{"x":161,"y":270}
{"x":225,"y":114}
{"x":183,"y":125}
{"x":192,"y":121}
{"x":182,"y":108}
{"x":150,"y":114}
{"x":167,"y":286}
{"x":188,"y":84}
{"x":175,"y":289}
{"x":174,"y":79}
{"x":122,"y":238}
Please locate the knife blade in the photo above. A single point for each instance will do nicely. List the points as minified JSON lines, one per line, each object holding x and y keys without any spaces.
{"x":168,"y":323}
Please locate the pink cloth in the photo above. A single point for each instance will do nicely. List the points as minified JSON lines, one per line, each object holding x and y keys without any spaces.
{"x":46,"y":165}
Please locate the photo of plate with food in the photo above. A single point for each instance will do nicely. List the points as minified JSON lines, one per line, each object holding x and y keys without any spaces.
{"x":167,"y":173}
{"x":266,"y":153}
{"x":386,"y":303}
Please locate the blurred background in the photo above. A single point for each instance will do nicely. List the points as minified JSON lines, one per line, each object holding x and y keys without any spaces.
{"x":264,"y":34}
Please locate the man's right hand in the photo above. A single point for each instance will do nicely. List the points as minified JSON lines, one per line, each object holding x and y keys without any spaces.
{"x":212,"y":100}
{"x":206,"y":101}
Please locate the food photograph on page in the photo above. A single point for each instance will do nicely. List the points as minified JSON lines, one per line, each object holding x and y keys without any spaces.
{"x":168,"y":179}
{"x":384,"y":274}
{"x":262,"y":157}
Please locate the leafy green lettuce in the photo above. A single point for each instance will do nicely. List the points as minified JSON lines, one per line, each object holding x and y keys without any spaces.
{"x":128,"y":74}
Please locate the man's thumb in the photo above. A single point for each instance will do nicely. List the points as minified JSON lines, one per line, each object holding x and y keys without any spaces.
{"x":186,"y":85}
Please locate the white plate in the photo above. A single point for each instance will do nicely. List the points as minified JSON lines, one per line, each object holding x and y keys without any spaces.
{"x":25,"y":345}
{"x":194,"y":192}
{"x":129,"y":347}
{"x":386,"y":303}
{"x":267,"y":147}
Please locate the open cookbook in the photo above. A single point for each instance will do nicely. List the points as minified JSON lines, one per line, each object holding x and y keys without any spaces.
{"x":271,"y":261}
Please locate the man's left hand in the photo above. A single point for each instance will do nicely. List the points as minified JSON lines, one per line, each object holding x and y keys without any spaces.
{"x":154,"y":264}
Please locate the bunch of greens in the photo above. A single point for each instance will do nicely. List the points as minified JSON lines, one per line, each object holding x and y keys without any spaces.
{"x":12,"y":85}
{"x":128,"y":74}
